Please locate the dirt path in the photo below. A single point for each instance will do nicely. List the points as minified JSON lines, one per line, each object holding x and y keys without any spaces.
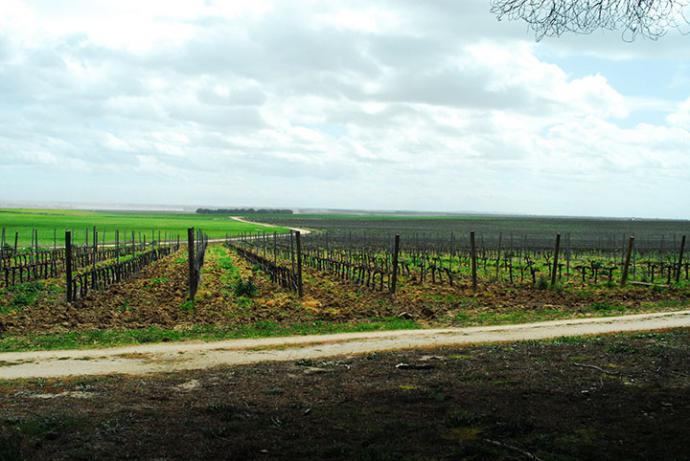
{"x":142,"y":359}
{"x":246,"y":221}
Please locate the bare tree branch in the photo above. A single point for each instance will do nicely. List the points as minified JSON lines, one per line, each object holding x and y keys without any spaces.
{"x":647,"y":18}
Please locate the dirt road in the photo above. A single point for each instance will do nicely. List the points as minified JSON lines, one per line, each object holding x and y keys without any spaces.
{"x":166,"y":357}
{"x":246,"y":221}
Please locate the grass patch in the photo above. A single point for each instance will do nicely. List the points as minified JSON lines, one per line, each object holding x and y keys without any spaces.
{"x":230,"y":272}
{"x":187,"y":306}
{"x":170,"y":224}
{"x":470,"y":317}
{"x":126,"y":307}
{"x":18,"y":297}
{"x":605,"y":307}
{"x":108,"y":338}
{"x":244,"y":302}
{"x":49,"y":426}
{"x":158,"y":281}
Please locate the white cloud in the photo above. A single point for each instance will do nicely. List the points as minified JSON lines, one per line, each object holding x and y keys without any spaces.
{"x":681,"y":116}
{"x":343,"y":104}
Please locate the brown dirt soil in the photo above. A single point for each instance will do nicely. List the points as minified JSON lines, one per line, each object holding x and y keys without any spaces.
{"x":157,"y":297}
{"x":621,"y":397}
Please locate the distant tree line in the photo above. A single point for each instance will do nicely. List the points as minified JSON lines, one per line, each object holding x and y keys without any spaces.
{"x":241,"y":211}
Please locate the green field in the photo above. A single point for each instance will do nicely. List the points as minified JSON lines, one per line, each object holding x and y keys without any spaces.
{"x":55,"y":222}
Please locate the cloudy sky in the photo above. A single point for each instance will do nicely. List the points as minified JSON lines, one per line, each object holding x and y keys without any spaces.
{"x":337,"y":104}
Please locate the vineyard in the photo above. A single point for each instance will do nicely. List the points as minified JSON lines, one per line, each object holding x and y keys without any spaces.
{"x":376,"y":261}
{"x":98,"y":266}
{"x":335,"y":272}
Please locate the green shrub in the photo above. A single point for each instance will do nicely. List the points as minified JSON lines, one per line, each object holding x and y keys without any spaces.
{"x":246,"y":288}
{"x":542,"y":282}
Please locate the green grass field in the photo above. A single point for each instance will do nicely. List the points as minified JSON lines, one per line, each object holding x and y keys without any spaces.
{"x":78,"y":221}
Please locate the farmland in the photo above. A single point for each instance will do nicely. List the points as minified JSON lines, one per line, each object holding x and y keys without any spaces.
{"x":53,"y":223}
{"x":562,"y":252}
{"x":594,"y":230}
{"x":248,"y":286}
{"x":346,"y":275}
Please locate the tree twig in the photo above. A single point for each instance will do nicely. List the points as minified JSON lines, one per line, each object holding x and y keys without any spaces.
{"x":524,"y":453}
{"x":594,"y":367}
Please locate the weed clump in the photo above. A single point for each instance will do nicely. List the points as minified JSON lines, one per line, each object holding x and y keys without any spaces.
{"x":187,"y":306}
{"x":22,"y":296}
{"x":246,"y":288}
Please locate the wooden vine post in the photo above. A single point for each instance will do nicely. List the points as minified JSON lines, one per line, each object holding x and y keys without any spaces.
{"x":68,"y":265}
{"x":2,"y":247}
{"x":680,"y":259}
{"x":396,"y":252}
{"x":190,"y":258}
{"x":93,"y":260}
{"x":554,"y":271}
{"x":298,"y":243}
{"x":473,"y":256}
{"x":626,"y":264}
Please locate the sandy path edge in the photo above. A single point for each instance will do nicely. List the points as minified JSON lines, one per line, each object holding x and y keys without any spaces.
{"x":168,"y":357}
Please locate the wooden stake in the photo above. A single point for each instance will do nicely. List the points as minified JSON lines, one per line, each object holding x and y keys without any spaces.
{"x":298,"y":243}
{"x":68,"y":265}
{"x":680,"y":258}
{"x":473,"y":256}
{"x":554,"y":271}
{"x":94,"y":255}
{"x":396,"y":252}
{"x":190,"y":259}
{"x":626,"y":265}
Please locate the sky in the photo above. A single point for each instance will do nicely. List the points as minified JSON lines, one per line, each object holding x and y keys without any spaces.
{"x":386,"y":105}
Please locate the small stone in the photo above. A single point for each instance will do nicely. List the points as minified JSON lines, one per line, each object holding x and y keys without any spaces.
{"x":426,"y":358}
{"x":414,"y":366}
{"x":189,"y":385}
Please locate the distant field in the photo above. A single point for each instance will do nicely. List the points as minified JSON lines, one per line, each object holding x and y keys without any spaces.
{"x":48,"y":221}
{"x":486,"y":225}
